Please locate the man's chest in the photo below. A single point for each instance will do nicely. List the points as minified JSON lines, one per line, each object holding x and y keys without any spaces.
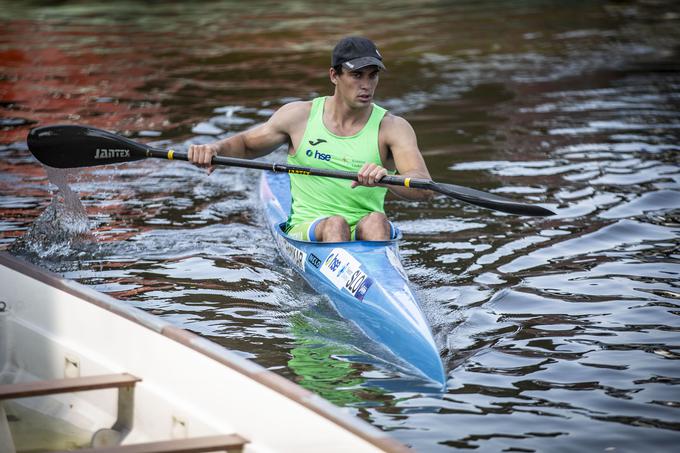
{"x":324,"y":146}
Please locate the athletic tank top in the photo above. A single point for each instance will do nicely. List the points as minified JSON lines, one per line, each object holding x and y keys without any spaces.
{"x":316,"y":196}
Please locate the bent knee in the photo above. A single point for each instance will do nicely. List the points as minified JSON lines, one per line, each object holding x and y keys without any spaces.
{"x":374,"y":227}
{"x":333,"y":229}
{"x":375,"y":217}
{"x":336,"y":221}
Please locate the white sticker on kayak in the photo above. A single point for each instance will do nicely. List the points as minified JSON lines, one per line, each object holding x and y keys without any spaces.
{"x":344,"y":271}
{"x":293,"y":253}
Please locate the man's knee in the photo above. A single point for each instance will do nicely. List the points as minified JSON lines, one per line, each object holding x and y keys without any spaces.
{"x":375,"y":218}
{"x":333,"y":229}
{"x":336,"y":222}
{"x":374,"y":227}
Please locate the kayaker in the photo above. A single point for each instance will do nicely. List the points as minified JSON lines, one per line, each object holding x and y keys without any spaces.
{"x":346,"y":131}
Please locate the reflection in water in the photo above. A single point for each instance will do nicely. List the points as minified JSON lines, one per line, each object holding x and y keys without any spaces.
{"x":558,"y":333}
{"x":316,"y":363}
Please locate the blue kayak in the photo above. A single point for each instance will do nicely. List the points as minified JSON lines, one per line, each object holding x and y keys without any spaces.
{"x":364,"y":281}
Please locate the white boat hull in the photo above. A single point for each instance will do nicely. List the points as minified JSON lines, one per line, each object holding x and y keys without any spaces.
{"x":53,"y":328}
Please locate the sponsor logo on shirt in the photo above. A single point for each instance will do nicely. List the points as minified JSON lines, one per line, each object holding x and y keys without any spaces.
{"x":315,"y":153}
{"x":319,"y":156}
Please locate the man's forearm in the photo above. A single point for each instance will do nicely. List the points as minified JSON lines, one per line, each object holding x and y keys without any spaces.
{"x":411,"y":193}
{"x":233,"y":146}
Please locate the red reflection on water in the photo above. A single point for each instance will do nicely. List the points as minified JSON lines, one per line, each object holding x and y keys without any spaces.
{"x":54,"y":74}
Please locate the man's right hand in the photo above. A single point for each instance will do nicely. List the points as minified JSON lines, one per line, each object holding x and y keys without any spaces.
{"x":202,"y":155}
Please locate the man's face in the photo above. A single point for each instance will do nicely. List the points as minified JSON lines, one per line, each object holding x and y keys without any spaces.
{"x":357,"y":87}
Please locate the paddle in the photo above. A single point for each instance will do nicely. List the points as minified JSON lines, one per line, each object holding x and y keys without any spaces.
{"x":82,"y":146}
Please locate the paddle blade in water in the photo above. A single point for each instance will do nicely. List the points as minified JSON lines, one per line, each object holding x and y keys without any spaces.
{"x":69,"y":146}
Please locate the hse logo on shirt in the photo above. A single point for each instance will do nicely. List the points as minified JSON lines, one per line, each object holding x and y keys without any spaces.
{"x":315,"y":153}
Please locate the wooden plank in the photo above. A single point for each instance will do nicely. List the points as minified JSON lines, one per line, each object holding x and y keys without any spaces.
{"x":79,"y":384}
{"x":231,"y":443}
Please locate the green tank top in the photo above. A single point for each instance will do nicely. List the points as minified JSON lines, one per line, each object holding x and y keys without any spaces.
{"x":316,"y":196}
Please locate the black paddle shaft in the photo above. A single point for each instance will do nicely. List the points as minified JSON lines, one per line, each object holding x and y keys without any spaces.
{"x":70,"y":146}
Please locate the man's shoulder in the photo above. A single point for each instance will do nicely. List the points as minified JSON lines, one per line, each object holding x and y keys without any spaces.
{"x":393,"y":124}
{"x":291,"y":115}
{"x":295,"y":108}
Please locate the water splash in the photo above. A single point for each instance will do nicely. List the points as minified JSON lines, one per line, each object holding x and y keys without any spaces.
{"x":60,"y":226}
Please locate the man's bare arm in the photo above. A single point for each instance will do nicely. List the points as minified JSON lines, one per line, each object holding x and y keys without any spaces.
{"x":401,"y":140}
{"x":255,"y":142}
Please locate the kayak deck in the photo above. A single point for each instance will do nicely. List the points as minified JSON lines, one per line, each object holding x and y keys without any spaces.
{"x":364,"y":281}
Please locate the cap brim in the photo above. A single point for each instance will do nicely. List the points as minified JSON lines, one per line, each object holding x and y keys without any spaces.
{"x":362,"y":62}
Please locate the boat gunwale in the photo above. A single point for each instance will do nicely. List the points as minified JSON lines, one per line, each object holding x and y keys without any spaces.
{"x":250,"y":369}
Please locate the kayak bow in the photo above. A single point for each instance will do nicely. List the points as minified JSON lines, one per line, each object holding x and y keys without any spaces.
{"x":364,"y":281}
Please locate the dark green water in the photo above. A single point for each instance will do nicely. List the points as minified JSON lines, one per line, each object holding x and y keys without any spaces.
{"x":558,"y":334}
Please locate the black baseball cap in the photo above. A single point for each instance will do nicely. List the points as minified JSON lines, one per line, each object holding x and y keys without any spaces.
{"x":354,"y":52}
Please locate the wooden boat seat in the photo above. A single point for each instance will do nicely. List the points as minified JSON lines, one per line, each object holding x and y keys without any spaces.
{"x":231,"y":443}
{"x":68,"y":385}
{"x":124,"y":382}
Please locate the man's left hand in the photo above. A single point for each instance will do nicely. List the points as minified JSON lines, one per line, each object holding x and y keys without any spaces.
{"x":369,"y":175}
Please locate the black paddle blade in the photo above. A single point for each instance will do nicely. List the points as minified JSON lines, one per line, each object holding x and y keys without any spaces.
{"x":67,"y":146}
{"x":490,"y":201}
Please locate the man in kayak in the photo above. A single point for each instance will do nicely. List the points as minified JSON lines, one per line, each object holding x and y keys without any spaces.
{"x":345,"y":131}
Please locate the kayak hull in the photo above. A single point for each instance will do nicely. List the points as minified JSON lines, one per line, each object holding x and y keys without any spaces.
{"x":364,"y":281}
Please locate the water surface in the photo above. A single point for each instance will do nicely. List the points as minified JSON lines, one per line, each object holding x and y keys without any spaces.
{"x":558,"y":334}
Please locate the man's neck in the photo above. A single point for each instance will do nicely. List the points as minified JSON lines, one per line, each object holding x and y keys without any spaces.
{"x":342,"y":119}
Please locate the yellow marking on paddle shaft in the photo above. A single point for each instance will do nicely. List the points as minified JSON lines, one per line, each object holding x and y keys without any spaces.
{"x":299,"y":172}
{"x":407,"y":182}
{"x":171,"y":154}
